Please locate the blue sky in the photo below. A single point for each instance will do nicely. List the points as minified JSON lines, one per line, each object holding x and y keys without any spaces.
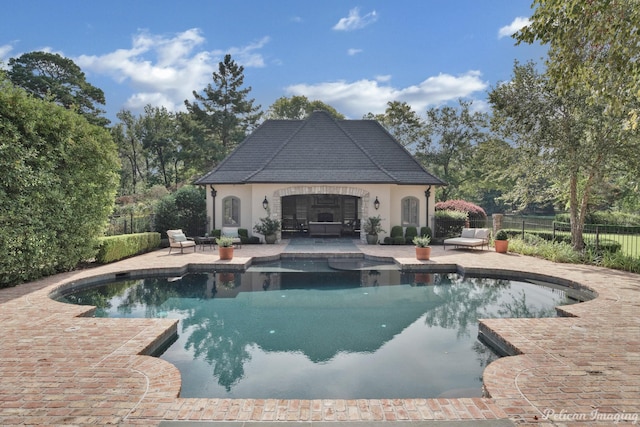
{"x":354,"y":56}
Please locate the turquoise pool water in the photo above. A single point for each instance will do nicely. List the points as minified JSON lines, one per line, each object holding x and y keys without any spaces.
{"x":325,"y":329}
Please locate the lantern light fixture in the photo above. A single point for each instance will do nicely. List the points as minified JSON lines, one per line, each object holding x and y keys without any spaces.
{"x":265,"y":203}
{"x":376,"y":203}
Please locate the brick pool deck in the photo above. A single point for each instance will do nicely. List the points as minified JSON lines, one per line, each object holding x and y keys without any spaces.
{"x":59,"y":368}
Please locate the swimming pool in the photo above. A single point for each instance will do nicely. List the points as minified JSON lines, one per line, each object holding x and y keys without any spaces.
{"x":325,"y":328}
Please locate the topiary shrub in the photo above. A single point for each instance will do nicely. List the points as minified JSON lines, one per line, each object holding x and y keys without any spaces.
{"x":426,"y":231}
{"x":396,"y":231}
{"x":398,"y":240}
{"x":409,"y":234}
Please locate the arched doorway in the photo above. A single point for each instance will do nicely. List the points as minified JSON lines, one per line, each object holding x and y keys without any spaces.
{"x":341,"y":209}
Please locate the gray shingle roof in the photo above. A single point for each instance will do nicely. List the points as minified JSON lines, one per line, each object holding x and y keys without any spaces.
{"x":321,"y":150}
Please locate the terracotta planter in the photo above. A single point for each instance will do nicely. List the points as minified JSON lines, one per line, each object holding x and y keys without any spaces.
{"x":225,"y":253}
{"x":501,"y":246}
{"x":270,"y":239}
{"x":423,"y":254}
{"x":372,"y":239}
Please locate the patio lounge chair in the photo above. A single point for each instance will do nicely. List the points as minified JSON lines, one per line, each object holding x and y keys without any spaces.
{"x":470,"y":238}
{"x":177,"y":239}
{"x":233,"y":233}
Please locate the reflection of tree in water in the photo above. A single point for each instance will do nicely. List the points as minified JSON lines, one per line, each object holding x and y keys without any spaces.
{"x":100,"y":296}
{"x":220,"y":344}
{"x":463,"y":301}
{"x":212,"y":337}
{"x":519,"y":308}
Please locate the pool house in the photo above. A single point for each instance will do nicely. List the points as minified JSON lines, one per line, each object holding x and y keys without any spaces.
{"x":321,"y":177}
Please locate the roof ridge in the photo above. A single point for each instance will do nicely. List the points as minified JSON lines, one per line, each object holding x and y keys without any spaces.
{"x":276,"y":152}
{"x":357,"y":144}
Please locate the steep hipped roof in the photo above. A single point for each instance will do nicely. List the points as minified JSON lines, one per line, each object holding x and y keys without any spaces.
{"x":321,"y":150}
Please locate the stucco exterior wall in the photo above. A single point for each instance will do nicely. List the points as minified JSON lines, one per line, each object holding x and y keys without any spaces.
{"x":252,"y":196}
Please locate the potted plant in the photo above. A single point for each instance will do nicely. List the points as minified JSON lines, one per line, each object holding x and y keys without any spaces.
{"x":268,"y":227}
{"x":225,"y":248}
{"x":423,"y":250}
{"x":373,"y":227}
{"x":501,"y":242}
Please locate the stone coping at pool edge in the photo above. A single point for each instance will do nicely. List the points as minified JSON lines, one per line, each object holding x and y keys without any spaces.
{"x":59,"y":367}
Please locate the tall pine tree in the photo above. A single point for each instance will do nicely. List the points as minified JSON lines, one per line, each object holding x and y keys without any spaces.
{"x":223,"y":108}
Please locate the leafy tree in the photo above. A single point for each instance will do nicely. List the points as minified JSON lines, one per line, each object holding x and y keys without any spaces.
{"x":51,"y":76}
{"x":58,"y":177}
{"x":402,"y":122}
{"x":489,"y":170}
{"x":127,"y":135}
{"x":593,"y":45}
{"x":185,"y":209}
{"x":199,"y":151}
{"x":223,"y":108}
{"x":566,"y":143}
{"x":298,"y":107}
{"x":451,"y":136}
{"x":160,"y":137}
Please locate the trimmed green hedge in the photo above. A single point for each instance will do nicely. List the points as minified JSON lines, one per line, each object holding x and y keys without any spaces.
{"x":115,"y":248}
{"x":604,"y":245}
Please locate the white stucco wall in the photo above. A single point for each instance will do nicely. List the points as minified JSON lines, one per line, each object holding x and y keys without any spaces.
{"x":252,"y":195}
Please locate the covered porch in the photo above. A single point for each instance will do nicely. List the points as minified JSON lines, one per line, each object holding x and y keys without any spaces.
{"x":321,"y":215}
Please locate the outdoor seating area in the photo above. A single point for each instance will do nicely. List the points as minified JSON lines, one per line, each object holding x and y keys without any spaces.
{"x":470,"y":238}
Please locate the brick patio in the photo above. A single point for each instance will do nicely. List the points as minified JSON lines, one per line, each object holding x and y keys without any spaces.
{"x":58,"y":368}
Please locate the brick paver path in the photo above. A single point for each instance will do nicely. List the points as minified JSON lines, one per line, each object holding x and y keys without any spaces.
{"x":59,"y":368}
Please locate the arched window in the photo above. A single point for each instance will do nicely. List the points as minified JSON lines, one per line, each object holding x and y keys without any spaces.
{"x":231,"y":211}
{"x":410,"y":211}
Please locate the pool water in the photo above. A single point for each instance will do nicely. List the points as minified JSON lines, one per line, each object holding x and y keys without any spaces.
{"x":325,"y":329}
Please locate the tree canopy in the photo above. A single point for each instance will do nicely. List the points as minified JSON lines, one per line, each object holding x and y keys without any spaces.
{"x":401,"y":121}
{"x":223,"y":108}
{"x":593,"y":46}
{"x":298,"y":107}
{"x":51,"y":76}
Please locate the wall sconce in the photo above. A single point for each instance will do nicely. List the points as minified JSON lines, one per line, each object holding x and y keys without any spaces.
{"x":265,"y":203}
{"x":376,"y":203}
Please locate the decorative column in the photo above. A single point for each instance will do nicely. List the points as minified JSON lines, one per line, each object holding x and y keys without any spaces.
{"x":497,"y":223}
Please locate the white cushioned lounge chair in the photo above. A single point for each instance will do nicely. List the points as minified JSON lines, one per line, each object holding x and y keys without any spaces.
{"x":177,"y":239}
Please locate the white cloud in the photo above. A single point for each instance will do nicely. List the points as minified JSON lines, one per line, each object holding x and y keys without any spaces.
{"x":383,"y":78}
{"x":355,"y":99}
{"x":353,"y":52}
{"x":163,"y":71}
{"x":4,"y":52}
{"x":354,"y":21}
{"x":517,"y":24}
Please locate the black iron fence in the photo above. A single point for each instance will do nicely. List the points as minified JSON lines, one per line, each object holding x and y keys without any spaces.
{"x":129,"y":224}
{"x":625,"y":239}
